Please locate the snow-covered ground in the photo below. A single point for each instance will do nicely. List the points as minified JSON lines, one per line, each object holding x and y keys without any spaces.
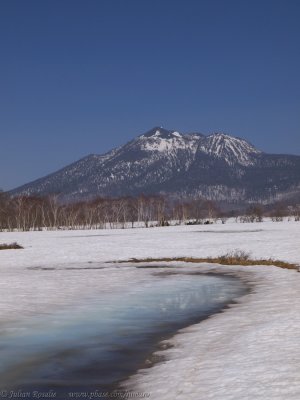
{"x":251,"y":351}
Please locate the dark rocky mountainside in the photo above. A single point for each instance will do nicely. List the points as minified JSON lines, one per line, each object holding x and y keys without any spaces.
{"x":218,"y":167}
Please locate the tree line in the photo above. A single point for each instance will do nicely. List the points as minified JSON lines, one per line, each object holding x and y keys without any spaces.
{"x":25,"y":213}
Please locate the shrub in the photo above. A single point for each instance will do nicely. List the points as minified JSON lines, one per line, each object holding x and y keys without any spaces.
{"x":235,"y":257}
{"x":14,"y":245}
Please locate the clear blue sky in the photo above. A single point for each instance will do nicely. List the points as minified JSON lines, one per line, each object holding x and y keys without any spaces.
{"x":83,"y":76}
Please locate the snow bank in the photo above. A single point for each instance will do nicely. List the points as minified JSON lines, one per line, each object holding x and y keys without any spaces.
{"x":251,"y":351}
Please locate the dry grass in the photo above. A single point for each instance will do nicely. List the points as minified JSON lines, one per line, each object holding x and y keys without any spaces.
{"x":236,"y":257}
{"x":14,"y":245}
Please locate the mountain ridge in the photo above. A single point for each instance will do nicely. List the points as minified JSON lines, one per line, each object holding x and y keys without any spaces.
{"x":217,"y":166}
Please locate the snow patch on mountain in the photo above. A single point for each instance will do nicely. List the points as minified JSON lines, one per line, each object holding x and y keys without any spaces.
{"x":170,"y":144}
{"x":231,"y":149}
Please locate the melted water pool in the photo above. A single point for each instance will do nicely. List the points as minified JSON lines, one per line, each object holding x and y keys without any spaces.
{"x":101,"y":343}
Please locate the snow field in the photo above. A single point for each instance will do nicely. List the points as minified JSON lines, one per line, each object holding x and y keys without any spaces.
{"x":251,"y":351}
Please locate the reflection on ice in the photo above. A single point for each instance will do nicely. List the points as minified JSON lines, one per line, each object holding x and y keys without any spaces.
{"x":103,"y":341}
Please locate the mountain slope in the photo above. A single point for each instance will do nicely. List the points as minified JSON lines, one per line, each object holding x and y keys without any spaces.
{"x":230,"y":149}
{"x":218,"y":166}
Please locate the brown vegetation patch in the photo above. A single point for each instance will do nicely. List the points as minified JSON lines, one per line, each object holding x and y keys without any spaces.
{"x":236,"y":257}
{"x":14,"y":245}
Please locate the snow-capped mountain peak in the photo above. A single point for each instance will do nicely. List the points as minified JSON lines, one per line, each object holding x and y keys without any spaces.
{"x":217,"y":167}
{"x":159,"y":132}
{"x":161,"y":140}
{"x":231,"y":149}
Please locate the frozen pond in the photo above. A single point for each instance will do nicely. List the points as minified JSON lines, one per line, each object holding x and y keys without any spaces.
{"x":98,"y":344}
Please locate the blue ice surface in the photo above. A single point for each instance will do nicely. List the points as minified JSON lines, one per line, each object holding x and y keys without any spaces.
{"x":102,"y":342}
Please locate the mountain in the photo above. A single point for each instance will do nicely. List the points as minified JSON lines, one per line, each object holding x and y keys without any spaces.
{"x":218,"y":167}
